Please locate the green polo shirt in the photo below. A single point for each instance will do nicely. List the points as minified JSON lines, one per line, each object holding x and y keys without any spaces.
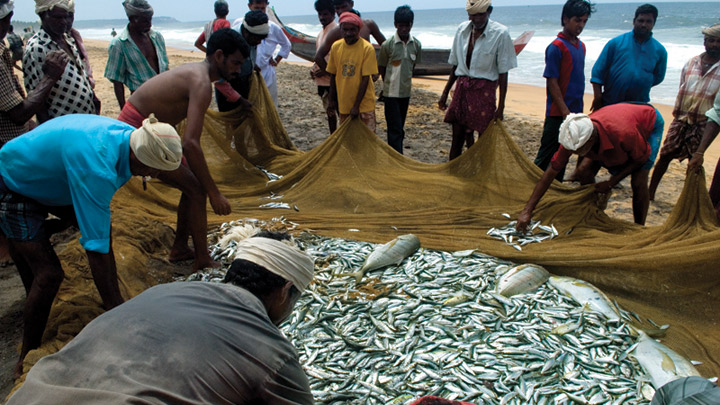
{"x":399,"y":59}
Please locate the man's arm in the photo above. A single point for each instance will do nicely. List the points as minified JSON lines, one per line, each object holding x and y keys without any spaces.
{"x":503,"y":84}
{"x":556,"y":94}
{"x":711,"y":132}
{"x":285,"y":46}
{"x":35,"y":102}
{"x":200,"y":41}
{"x":538,"y":192}
{"x":332,"y":102}
{"x":630,"y":167}
{"x":104,"y":271}
{"x":375,"y":32}
{"x":660,"y":69}
{"x":324,"y":49}
{"x":355,"y":110}
{"x":597,"y":97}
{"x":442,"y":104}
{"x":119,"y":89}
{"x":199,"y":101}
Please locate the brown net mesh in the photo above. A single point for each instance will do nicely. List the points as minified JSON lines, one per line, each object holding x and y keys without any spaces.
{"x":355,"y":181}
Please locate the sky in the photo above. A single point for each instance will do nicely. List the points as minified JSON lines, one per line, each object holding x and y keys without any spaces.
{"x":201,"y":10}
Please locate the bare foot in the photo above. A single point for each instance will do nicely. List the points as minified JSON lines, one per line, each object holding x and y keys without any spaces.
{"x":206,"y":264}
{"x":181,"y":255}
{"x":18,"y":371}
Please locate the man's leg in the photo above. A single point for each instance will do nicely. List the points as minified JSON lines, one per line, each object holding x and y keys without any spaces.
{"x":191,"y":218}
{"x":47,"y":277}
{"x":549,"y":144}
{"x":458,"y":137}
{"x":324,"y":93}
{"x":404,"y":104}
{"x":394,"y":123}
{"x":640,"y":198}
{"x":661,"y":167}
{"x":586,"y":171}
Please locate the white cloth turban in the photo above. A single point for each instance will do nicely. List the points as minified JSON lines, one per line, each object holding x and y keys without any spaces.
{"x":6,"y":9}
{"x":262,"y":29}
{"x":47,"y":5}
{"x":157,"y":145}
{"x":477,"y":6}
{"x":137,"y":7}
{"x":712,"y":31}
{"x":278,"y":258}
{"x":575,"y":131}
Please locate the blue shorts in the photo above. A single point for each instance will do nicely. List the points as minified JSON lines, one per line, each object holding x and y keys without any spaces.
{"x":21,"y":218}
{"x":655,"y":139}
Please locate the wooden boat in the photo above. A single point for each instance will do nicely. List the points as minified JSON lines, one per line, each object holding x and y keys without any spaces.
{"x":434,"y":61}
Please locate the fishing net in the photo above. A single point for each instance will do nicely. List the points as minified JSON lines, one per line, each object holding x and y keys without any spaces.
{"x":355,"y":186}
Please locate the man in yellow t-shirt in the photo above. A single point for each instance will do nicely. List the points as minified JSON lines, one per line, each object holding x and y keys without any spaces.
{"x":352,"y":62}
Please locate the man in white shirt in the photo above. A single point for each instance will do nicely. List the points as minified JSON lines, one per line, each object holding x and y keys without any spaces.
{"x":266,"y":58}
{"x":482,"y":54}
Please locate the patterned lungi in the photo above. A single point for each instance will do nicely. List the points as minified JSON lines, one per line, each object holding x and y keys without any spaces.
{"x":683,"y":139}
{"x":473,"y":103}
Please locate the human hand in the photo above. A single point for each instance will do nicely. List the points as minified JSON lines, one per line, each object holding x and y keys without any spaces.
{"x":596,"y":104}
{"x":523,"y":221}
{"x":696,"y":162}
{"x":499,"y":114}
{"x":55,"y":64}
{"x":220,"y":204}
{"x":442,"y":103}
{"x":603,"y":187}
{"x":273,"y":62}
{"x":355,"y":111}
{"x":564,"y":110}
{"x":245,"y":104}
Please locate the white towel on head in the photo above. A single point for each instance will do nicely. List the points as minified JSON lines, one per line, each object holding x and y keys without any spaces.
{"x":477,"y":6}
{"x":278,"y":258}
{"x":157,"y":145}
{"x":575,"y":131}
{"x":6,"y":9}
{"x":47,"y":5}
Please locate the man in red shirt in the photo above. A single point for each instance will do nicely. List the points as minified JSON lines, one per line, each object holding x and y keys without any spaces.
{"x":624,"y":138}
{"x":221,"y":11}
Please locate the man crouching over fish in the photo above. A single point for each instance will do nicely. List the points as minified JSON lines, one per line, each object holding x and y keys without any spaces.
{"x":190,"y":342}
{"x":624,"y":138}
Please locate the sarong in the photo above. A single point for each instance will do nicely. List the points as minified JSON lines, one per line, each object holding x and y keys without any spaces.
{"x":683,"y":139}
{"x":130,"y":115}
{"x":473,"y":103}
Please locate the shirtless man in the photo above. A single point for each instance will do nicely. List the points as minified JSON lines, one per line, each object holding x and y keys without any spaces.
{"x":186,"y":92}
{"x":369,"y":28}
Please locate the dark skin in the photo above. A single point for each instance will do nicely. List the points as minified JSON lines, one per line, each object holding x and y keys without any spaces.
{"x":585,"y":173}
{"x":572,"y":28}
{"x":642,"y":30}
{"x":711,"y":131}
{"x":222,"y":13}
{"x":460,"y":133}
{"x":368,"y":29}
{"x":710,"y":57}
{"x":139,"y":30}
{"x":350,"y":34}
{"x":280,"y":302}
{"x":53,"y":68}
{"x":186,"y":92}
{"x":56,"y":23}
{"x":326,"y":17}
{"x":42,"y":274}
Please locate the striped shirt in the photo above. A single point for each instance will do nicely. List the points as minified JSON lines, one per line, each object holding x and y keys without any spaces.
{"x":11,"y":95}
{"x":126,"y":63}
{"x":697,"y":91}
{"x":73,"y":93}
{"x":399,"y":59}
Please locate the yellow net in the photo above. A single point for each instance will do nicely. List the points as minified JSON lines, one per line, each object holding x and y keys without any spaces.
{"x":355,"y":186}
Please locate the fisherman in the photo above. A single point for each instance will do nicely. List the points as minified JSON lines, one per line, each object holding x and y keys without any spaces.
{"x":630,"y":64}
{"x":624,"y":138}
{"x":71,"y":167}
{"x":222,"y":9}
{"x":185,"y":93}
{"x":138,"y":53}
{"x":190,"y":342}
{"x":699,"y":83}
{"x":482,"y":55}
{"x":369,"y":28}
{"x":326,"y":15}
{"x":711,"y":131}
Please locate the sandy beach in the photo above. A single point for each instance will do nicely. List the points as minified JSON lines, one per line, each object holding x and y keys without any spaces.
{"x":427,"y":140}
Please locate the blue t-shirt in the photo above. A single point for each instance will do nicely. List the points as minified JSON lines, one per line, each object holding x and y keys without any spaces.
{"x":79,"y":160}
{"x":566,"y":63}
{"x":628,"y":69}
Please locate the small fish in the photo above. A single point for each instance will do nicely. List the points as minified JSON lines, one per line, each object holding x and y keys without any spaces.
{"x":393,"y":252}
{"x":521,"y":279}
{"x":276,"y":205}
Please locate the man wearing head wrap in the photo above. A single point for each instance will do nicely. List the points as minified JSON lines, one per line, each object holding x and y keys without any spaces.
{"x":138,"y":53}
{"x":369,"y":28}
{"x":351,"y":64}
{"x":699,"y":83}
{"x":482,"y":55}
{"x":222,"y":9}
{"x":185,"y":93}
{"x":73,"y":92}
{"x":630,"y":64}
{"x":624,"y":138}
{"x":71,"y":167}
{"x":190,"y":342}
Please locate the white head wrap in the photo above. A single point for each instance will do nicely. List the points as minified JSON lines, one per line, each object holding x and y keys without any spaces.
{"x":6,"y":9}
{"x":278,"y":258}
{"x":157,"y":145}
{"x":712,"y":31}
{"x":477,"y":6}
{"x":137,"y":7}
{"x":575,"y":131}
{"x":47,"y":5}
{"x":262,"y":29}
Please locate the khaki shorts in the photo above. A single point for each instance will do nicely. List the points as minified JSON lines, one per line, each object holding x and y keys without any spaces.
{"x":368,"y":118}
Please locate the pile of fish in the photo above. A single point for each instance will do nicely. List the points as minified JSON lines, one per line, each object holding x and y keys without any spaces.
{"x":536,"y":233}
{"x":462,"y":326}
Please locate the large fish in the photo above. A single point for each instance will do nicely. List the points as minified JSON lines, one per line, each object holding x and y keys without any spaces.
{"x":660,"y":362}
{"x":393,"y":252}
{"x":521,"y":279}
{"x":585,"y":294}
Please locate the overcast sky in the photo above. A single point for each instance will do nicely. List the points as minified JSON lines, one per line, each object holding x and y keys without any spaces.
{"x":200,"y":10}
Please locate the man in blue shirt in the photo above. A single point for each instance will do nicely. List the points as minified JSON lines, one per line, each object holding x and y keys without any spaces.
{"x":71,"y":167}
{"x":630,"y":64}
